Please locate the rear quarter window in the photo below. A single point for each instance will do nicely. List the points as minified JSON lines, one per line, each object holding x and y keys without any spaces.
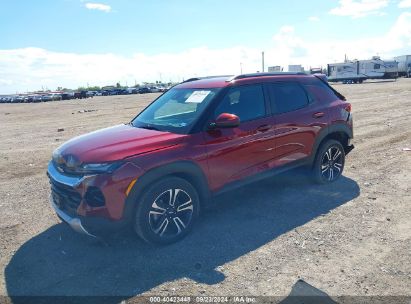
{"x":319,"y":92}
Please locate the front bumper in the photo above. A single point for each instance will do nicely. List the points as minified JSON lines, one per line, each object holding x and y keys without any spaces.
{"x":73,"y":222}
{"x":69,"y":201}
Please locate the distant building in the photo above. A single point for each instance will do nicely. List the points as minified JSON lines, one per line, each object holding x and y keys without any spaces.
{"x":295,"y":68}
{"x":276,"y":68}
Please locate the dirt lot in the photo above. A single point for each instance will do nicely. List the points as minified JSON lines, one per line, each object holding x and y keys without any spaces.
{"x":350,"y":238}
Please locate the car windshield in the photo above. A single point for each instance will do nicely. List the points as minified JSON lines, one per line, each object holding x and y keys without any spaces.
{"x":176,"y":110}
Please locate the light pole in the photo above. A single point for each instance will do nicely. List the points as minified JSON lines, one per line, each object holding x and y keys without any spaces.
{"x":241,"y":68}
{"x":262,"y":58}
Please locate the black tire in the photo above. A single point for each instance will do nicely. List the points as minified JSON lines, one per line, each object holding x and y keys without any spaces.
{"x":167,"y":211}
{"x":329,"y":162}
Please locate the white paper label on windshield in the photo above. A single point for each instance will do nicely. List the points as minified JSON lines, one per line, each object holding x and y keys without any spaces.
{"x":198,"y":96}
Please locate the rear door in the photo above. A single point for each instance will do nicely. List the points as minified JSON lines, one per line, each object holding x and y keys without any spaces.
{"x":298,"y":118}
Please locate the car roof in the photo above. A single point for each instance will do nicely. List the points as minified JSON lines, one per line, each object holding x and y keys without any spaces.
{"x":229,"y":80}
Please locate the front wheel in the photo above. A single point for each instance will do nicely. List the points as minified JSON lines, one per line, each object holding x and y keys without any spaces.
{"x":329,"y":162}
{"x":166,"y":212}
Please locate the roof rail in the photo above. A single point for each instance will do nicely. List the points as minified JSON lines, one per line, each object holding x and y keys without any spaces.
{"x":242,"y":76}
{"x":205,"y":77}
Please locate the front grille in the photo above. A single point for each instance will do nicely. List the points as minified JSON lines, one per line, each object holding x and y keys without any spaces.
{"x":66,"y":198}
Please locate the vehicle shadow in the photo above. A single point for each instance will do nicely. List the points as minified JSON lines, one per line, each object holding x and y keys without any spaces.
{"x":59,"y":262}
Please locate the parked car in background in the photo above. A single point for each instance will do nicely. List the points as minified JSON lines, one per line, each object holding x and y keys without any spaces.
{"x":56,"y":97}
{"x":46,"y":98}
{"x":143,"y":90}
{"x":12,"y":99}
{"x":28,"y":99}
{"x":90,"y":94}
{"x":154,"y":89}
{"x":132,"y":91}
{"x":37,"y":98}
{"x":164,"y":89}
{"x":80,"y":95}
{"x":18,"y":99}
{"x":66,"y":96}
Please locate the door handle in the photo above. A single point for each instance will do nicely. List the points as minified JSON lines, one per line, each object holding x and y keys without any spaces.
{"x":318,"y":114}
{"x":264,"y":128}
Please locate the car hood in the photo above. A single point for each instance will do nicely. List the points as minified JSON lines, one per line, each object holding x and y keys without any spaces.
{"x":116,"y":143}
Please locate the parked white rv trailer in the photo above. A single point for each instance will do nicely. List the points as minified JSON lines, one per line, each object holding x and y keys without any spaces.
{"x":295,"y":68}
{"x":346,"y":72}
{"x":373,"y":68}
{"x":359,"y":70}
{"x":391,"y":69}
{"x":404,"y":65}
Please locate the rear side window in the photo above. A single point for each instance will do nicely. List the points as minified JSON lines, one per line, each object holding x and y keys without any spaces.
{"x":287,"y":97}
{"x":247,"y":102}
{"x":321,"y":92}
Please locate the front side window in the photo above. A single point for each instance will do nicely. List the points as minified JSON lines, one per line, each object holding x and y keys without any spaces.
{"x":247,"y":102}
{"x":176,"y":110}
{"x":287,"y":97}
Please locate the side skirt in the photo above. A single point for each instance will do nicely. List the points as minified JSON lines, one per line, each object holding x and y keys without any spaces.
{"x":260,"y":176}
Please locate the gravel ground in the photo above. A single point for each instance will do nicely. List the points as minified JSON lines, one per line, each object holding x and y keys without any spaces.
{"x":350,"y":238}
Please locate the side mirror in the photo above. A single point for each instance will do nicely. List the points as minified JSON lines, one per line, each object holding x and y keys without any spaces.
{"x":226,"y":120}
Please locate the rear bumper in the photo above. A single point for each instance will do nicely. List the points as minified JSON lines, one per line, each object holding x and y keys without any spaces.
{"x":348,"y":149}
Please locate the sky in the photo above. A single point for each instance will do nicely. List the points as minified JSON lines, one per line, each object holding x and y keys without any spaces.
{"x":71,"y":43}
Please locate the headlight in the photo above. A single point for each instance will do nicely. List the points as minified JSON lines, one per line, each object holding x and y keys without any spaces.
{"x":98,"y":168}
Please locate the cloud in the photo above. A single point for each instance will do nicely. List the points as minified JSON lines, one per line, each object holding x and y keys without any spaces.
{"x":33,"y":68}
{"x":396,"y":41}
{"x":313,"y":19}
{"x":98,"y":6}
{"x":404,"y":4}
{"x":359,"y":8}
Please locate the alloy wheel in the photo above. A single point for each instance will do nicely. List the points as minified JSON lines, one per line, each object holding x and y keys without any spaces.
{"x":171,"y":213}
{"x":332,"y":163}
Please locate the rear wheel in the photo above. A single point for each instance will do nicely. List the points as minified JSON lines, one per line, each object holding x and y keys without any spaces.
{"x":167,"y":211}
{"x":329,"y":162}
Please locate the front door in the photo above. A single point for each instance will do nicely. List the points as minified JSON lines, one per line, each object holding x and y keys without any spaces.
{"x":237,"y":153}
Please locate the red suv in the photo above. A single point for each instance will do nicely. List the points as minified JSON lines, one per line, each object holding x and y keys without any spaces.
{"x":200,"y":138}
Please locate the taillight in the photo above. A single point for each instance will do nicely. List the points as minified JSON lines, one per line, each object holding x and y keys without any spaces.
{"x":348,"y":108}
